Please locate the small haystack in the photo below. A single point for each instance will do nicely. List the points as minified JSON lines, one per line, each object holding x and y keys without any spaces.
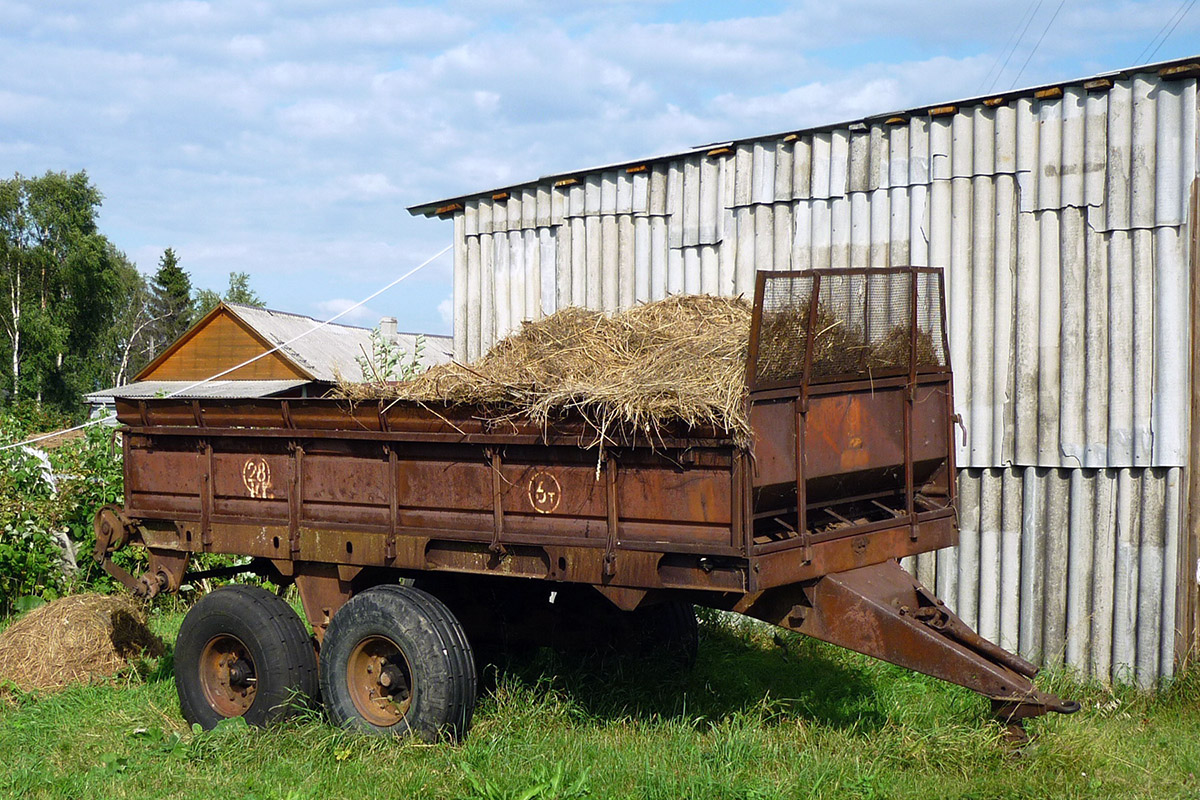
{"x":82,"y":637}
{"x":681,"y":361}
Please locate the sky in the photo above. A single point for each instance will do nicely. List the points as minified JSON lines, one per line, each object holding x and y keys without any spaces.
{"x":287,"y":139}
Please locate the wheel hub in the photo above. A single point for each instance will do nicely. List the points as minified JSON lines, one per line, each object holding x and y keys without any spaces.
{"x":227,"y":676}
{"x":380,"y":681}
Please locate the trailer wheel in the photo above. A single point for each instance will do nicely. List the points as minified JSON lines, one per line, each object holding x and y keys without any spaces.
{"x":243,"y":652}
{"x":668,"y":630}
{"x":395,"y":661}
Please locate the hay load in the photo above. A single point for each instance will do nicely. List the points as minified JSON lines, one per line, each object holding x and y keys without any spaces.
{"x":677,"y":361}
{"x":81,"y":637}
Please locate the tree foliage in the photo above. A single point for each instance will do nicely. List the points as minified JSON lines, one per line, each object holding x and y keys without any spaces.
{"x":172,"y":306}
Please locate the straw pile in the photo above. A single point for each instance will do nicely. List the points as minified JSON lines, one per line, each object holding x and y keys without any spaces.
{"x":82,"y":637}
{"x":681,"y":360}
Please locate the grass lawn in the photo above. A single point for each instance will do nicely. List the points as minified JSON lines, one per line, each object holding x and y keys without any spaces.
{"x":761,"y":716}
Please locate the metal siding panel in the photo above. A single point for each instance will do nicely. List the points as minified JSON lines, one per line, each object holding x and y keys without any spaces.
{"x":503,"y":310}
{"x":1142,"y":189}
{"x":1050,"y":141}
{"x":1079,"y":566}
{"x":710,"y":188}
{"x":594,"y":262}
{"x":1010,"y":559}
{"x":691,"y":270}
{"x":474,"y":298}
{"x":1171,"y":393}
{"x":709,"y":269}
{"x":1143,"y":347}
{"x":743,"y":177}
{"x":782,"y":236}
{"x":839,"y":159}
{"x":822,"y":161}
{"x":802,"y":154}
{"x":859,"y":166}
{"x":764,"y":240}
{"x":691,"y":203}
{"x":1120,"y":348}
{"x":989,"y":554}
{"x":763,"y":164}
{"x":1072,"y":325}
{"x":608,"y":192}
{"x":675,"y":222}
{"x":860,"y":230}
{"x":1095,"y":149}
{"x":1049,"y":343}
{"x":784,"y":171}
{"x":624,"y":193}
{"x":675,"y":277}
{"x":642,"y":248}
{"x":626,"y":261}
{"x":1004,"y":310}
{"x":839,"y":234}
{"x":516,"y":278}
{"x":1150,"y":578}
{"x":881,"y":228}
{"x":459,"y":289}
{"x":610,"y":262}
{"x":1118,"y":166}
{"x":802,"y":235}
{"x":1125,"y":576}
{"x":969,"y":521}
{"x":548,"y":264}
{"x":1104,"y":508}
{"x":1074,"y":141}
{"x":1096,"y":331}
{"x":658,"y":258}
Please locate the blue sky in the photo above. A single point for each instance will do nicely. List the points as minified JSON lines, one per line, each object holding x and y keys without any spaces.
{"x":287,"y":139}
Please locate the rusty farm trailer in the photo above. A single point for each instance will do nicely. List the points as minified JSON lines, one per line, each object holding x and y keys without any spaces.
{"x":415,"y":533}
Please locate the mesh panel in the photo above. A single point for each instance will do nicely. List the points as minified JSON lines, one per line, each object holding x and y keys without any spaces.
{"x":862,"y":324}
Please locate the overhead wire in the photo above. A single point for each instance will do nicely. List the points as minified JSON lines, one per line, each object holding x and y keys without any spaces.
{"x":1172,"y":30}
{"x":1037,"y":44}
{"x":1011,"y":45}
{"x":264,"y":354}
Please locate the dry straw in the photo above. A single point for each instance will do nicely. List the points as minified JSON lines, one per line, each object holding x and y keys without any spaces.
{"x":678,"y":361}
{"x":83,"y":637}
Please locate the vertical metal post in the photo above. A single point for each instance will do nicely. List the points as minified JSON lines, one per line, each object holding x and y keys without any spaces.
{"x":296,"y":500}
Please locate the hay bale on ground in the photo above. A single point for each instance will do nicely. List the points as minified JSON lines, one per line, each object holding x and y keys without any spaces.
{"x":81,"y":637}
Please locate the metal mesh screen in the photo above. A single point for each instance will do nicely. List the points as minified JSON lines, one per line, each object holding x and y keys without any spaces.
{"x":861,"y":324}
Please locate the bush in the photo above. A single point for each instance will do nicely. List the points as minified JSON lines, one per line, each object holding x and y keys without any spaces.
{"x":48,"y":500}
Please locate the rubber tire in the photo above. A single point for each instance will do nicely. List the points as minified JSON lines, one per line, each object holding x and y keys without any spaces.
{"x":284,"y":659}
{"x":667,"y":631}
{"x":439,"y":657}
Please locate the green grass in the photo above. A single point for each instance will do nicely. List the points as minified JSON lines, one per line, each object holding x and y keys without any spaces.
{"x":761,"y":716}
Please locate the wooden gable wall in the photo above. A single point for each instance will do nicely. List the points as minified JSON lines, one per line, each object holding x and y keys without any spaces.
{"x":215,"y":344}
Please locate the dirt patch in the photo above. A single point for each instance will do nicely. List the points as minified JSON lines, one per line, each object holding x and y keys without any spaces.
{"x":82,"y":637}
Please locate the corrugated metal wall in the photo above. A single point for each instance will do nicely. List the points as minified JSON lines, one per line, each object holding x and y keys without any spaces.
{"x":1060,"y":220}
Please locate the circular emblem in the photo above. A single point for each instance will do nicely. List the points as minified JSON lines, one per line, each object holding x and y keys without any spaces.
{"x":256,"y":474}
{"x":544,"y":492}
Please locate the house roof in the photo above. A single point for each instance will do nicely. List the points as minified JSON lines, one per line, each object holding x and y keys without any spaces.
{"x":331,"y":350}
{"x":227,"y":389}
{"x":327,"y":352}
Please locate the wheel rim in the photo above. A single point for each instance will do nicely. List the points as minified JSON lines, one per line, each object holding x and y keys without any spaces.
{"x":380,"y":681}
{"x":228,"y":675}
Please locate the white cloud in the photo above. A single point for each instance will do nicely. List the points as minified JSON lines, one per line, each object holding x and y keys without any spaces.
{"x":446,"y":311}
{"x":286,"y":140}
{"x":363,"y":316}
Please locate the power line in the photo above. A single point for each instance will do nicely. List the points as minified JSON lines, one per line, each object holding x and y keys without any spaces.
{"x":1038,"y":43}
{"x":1168,"y":36}
{"x":1031,"y":10}
{"x":281,"y":345}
